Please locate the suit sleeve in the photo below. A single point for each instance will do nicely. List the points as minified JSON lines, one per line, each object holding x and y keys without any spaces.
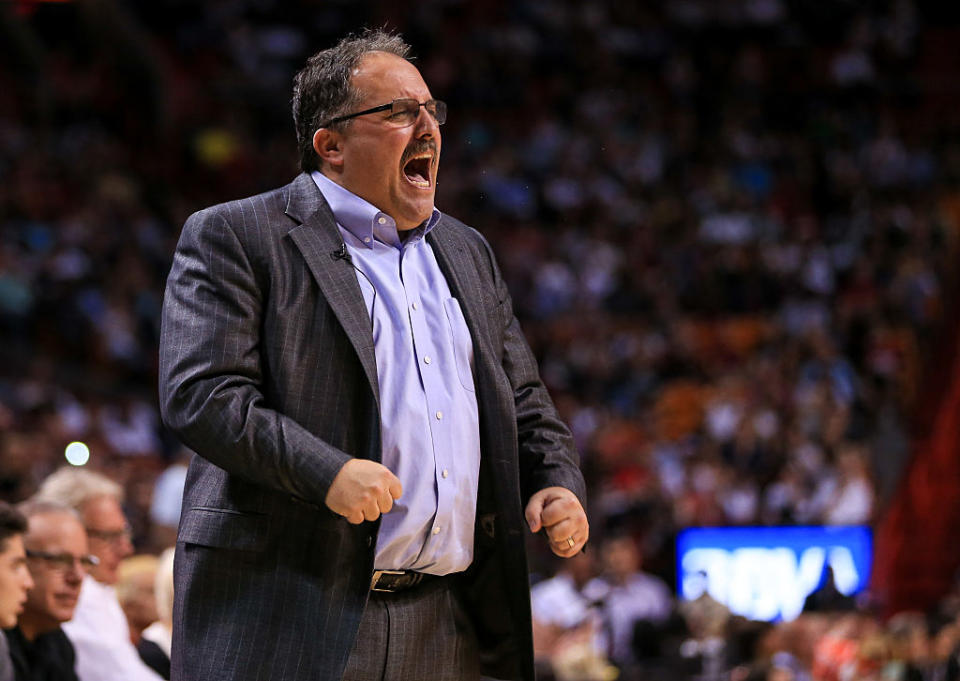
{"x":547,"y":454}
{"x":210,"y":371}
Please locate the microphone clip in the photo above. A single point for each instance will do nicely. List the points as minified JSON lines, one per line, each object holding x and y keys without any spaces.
{"x":341,"y":253}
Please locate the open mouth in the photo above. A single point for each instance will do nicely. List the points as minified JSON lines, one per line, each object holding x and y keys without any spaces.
{"x":417,"y":170}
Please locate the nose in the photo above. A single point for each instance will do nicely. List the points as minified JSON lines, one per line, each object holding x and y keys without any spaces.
{"x":426,"y":125}
{"x":74,"y":575}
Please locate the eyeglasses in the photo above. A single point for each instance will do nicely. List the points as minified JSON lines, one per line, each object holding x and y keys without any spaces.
{"x":403,"y":112}
{"x":111,"y":536}
{"x":62,"y":562}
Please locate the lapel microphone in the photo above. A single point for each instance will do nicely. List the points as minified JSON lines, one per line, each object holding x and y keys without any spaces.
{"x":341,"y":253}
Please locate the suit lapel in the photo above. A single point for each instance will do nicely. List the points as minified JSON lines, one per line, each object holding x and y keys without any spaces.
{"x":465,"y":285}
{"x":494,"y":396}
{"x":318,"y":238}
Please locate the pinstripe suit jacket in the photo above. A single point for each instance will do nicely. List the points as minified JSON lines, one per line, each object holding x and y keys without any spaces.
{"x":267,"y":371}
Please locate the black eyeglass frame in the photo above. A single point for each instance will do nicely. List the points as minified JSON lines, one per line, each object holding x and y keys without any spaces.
{"x":59,"y":559}
{"x":440,"y":117}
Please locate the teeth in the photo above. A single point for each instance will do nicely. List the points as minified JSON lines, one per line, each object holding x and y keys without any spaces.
{"x":427,"y":156}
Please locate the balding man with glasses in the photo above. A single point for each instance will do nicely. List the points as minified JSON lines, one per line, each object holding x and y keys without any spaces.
{"x":58,"y":558}
{"x":373,"y":434}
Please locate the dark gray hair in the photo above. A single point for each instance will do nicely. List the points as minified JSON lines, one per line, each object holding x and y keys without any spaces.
{"x":321,"y":90}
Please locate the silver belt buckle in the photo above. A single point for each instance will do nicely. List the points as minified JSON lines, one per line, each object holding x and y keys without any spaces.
{"x":376,"y":578}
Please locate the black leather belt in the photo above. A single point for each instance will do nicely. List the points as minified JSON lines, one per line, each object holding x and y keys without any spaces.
{"x":391,"y":581}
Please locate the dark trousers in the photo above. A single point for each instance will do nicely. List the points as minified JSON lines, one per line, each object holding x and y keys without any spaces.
{"x":420,"y":634}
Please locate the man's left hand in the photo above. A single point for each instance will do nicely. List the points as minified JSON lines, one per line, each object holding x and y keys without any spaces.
{"x":558,"y":511}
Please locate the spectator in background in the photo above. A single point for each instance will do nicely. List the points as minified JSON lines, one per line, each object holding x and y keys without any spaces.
{"x":558,"y":604}
{"x":135,"y":581}
{"x":14,"y":578}
{"x":627,"y":595}
{"x":705,"y":617}
{"x":154,"y":646}
{"x":58,"y":556}
{"x":559,"y":601}
{"x":853,"y":501}
{"x":99,"y":630}
{"x":827,"y":597}
{"x":566,"y":624}
{"x":910,"y":641}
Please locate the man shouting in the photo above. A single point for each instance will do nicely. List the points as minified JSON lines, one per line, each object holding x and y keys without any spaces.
{"x":372,"y":431}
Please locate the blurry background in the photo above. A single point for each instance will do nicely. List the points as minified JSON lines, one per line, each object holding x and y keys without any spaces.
{"x":730,"y":229}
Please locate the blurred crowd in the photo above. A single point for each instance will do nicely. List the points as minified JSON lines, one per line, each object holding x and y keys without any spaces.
{"x":76,"y":604}
{"x":728,"y":229}
{"x":602,"y":616}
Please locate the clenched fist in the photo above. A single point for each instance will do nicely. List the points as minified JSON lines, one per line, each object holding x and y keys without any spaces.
{"x":558,"y":511}
{"x":363,"y":490}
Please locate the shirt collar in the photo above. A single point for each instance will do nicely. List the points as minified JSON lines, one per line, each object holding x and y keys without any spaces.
{"x":364,"y":220}
{"x":91,"y":584}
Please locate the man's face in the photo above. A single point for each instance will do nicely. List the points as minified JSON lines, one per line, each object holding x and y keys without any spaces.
{"x":56,"y":585}
{"x":109,"y":536}
{"x":14,"y":581}
{"x":394,"y":167}
{"x":621,"y":557}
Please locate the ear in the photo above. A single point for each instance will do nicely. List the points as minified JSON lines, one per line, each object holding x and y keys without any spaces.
{"x":328,"y":145}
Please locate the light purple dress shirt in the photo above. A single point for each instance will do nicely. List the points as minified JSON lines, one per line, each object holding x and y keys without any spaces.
{"x":429,"y":424}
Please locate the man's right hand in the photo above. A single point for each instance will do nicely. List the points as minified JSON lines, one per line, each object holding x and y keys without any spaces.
{"x":363,"y":490}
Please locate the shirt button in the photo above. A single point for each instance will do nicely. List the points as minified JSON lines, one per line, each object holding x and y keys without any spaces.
{"x":436,"y":530}
{"x":381,"y":220}
{"x":366,"y":239}
{"x":439,"y":415}
{"x":426,"y":360}
{"x":415,"y":306}
{"x":445,"y":472}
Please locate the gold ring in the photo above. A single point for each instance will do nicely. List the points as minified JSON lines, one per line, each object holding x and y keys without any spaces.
{"x":570,"y":542}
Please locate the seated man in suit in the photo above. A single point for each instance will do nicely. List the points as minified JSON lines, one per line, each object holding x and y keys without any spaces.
{"x":372,"y":431}
{"x":57,"y":553}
